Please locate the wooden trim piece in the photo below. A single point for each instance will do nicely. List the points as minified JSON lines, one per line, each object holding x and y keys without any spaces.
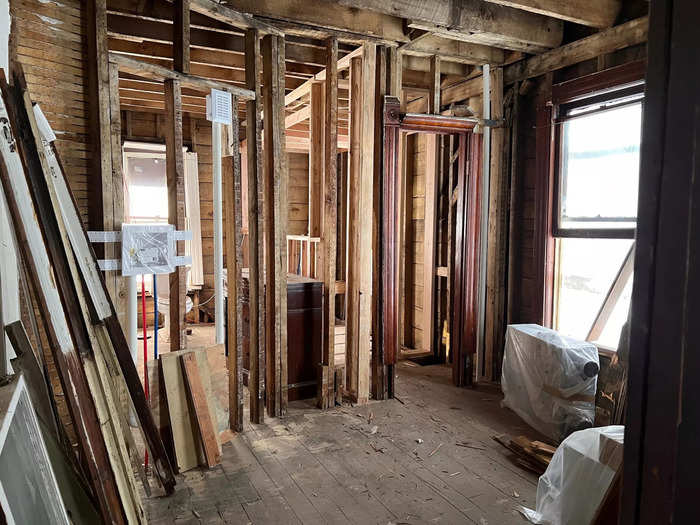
{"x":158,"y":73}
{"x":275,"y":212}
{"x":330,"y":216}
{"x":256,"y":261}
{"x":231,"y":174}
{"x":198,"y":400}
{"x":613,"y":296}
{"x":608,"y":80}
{"x":174,"y":162}
{"x":378,"y":360}
{"x":389,"y":245}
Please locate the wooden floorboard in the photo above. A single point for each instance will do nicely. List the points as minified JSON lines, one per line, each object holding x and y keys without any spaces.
{"x":426,"y":457}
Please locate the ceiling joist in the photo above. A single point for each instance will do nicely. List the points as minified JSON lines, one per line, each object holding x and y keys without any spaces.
{"x":593,"y":13}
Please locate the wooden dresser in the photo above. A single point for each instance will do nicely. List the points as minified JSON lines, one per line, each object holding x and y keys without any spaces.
{"x":304,"y":333}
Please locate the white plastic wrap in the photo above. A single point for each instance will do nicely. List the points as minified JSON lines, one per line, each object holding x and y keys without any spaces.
{"x":148,"y":249}
{"x":580,"y":474}
{"x":549,"y":379}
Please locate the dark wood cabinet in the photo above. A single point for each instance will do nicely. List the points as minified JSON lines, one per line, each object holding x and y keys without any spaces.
{"x":304,"y":334}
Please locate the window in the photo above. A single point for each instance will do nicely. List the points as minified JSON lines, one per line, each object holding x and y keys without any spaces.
{"x":595,"y":213}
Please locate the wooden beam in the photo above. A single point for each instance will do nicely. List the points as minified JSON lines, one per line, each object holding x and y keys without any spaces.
{"x":275,"y":212}
{"x":497,"y":236}
{"x":159,"y":73}
{"x":454,"y":50}
{"x":316,"y":158}
{"x":593,"y":13}
{"x":324,"y":14}
{"x":297,"y":117}
{"x":473,"y":21}
{"x":434,"y":98}
{"x":181,"y":36}
{"x":359,"y":319}
{"x":232,"y":17}
{"x":175,"y":177}
{"x":429,"y":240}
{"x":628,"y":34}
{"x":256,"y":261}
{"x":329,"y":221}
{"x":231,"y":174}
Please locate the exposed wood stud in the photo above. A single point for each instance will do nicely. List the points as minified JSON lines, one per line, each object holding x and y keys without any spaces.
{"x":175,"y":177}
{"x":329,"y":221}
{"x":181,"y":36}
{"x":275,"y":204}
{"x":256,"y":261}
{"x":231,"y":174}
{"x":434,"y":98}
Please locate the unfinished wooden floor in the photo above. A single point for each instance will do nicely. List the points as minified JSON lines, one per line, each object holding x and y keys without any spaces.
{"x":366,"y":464}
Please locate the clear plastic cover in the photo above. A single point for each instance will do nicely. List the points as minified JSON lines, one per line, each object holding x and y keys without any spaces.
{"x":581,"y":472}
{"x":549,"y":379}
{"x":148,"y":249}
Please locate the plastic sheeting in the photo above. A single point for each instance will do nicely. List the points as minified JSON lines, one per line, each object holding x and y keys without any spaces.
{"x":581,"y":472}
{"x":148,"y":249}
{"x":549,"y":379}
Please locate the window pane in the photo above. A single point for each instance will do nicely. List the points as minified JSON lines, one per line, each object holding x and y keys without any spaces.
{"x":600,"y":169}
{"x":148,"y":192}
{"x":611,"y":333}
{"x":587,"y":268}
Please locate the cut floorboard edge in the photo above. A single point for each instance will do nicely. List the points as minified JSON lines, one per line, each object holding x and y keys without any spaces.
{"x":314,"y":467}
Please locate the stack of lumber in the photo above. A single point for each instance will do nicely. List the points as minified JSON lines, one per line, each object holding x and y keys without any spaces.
{"x":77,"y":328}
{"x":531,"y":455}
{"x":188,"y":404}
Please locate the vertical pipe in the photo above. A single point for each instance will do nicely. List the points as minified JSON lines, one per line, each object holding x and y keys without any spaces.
{"x":145,"y":349}
{"x":484,"y":223}
{"x":155,"y":318}
{"x":219,"y":316}
{"x":132,"y":314}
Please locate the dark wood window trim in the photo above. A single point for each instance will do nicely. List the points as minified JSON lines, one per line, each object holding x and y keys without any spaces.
{"x":580,"y":92}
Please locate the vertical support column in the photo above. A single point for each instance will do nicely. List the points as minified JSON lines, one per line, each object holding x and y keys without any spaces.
{"x":359,"y":324}
{"x":120,"y":293}
{"x":174,"y":166}
{"x":234,"y":265}
{"x":181,"y":36}
{"x":429,"y":240}
{"x":434,"y":99}
{"x":316,"y":158}
{"x":326,"y":378}
{"x":276,"y":179}
{"x":378,"y":386}
{"x":256,"y":261}
{"x":497,"y":236}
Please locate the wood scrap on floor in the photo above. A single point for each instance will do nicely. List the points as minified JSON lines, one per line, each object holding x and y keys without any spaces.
{"x":191,"y":413}
{"x":531,"y":455}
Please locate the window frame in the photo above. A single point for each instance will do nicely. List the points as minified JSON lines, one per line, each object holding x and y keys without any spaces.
{"x":560,"y":115}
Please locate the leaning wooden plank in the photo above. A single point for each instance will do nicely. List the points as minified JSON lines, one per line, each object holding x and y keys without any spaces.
{"x":36,"y":257}
{"x":184,"y":433}
{"x":96,"y":370}
{"x":160,"y":74}
{"x":256,"y":260}
{"x":120,"y":349}
{"x":200,"y":406}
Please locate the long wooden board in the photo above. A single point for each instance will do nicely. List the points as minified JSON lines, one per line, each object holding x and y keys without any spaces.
{"x":200,"y":405}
